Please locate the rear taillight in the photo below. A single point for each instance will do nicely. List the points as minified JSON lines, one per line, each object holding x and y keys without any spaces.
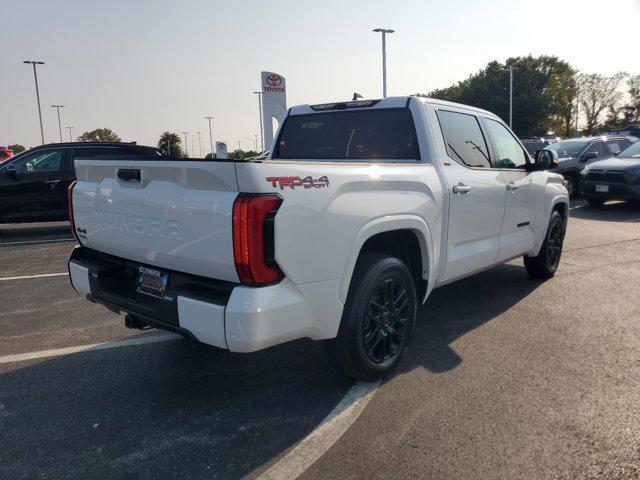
{"x":253,"y":238}
{"x":70,"y":201}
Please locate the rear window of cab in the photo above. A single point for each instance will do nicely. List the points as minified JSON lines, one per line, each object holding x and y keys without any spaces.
{"x":385,"y":135}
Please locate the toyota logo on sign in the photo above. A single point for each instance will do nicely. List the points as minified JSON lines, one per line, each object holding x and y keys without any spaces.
{"x":274,"y":80}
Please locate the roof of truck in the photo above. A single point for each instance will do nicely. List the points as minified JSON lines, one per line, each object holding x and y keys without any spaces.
{"x":375,"y":103}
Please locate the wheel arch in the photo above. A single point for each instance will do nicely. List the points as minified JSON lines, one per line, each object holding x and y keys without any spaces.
{"x":389,"y":225}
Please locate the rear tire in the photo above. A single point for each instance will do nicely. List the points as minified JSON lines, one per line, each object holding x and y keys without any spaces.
{"x":545,"y":264}
{"x":378,"y":318}
{"x":595,"y":202}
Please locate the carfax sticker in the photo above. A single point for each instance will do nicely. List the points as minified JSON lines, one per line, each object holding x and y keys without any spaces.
{"x":293,"y":182}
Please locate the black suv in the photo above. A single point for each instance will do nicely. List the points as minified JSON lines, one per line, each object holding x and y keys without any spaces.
{"x":33,"y":185}
{"x":575,"y":153}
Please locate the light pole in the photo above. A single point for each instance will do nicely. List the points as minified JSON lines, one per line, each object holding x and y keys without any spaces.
{"x":70,"y":128}
{"x":35,"y":76}
{"x":200,"y":143}
{"x":210,"y":134}
{"x":384,"y":32}
{"x":186,"y":145}
{"x":511,"y":69}
{"x":58,"y":107}
{"x":260,"y":119}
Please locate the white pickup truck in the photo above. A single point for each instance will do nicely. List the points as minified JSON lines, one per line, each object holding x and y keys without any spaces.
{"x":358,"y":213}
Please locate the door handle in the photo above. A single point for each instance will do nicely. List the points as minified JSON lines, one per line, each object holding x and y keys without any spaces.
{"x":512,"y":187}
{"x":52,"y":182}
{"x":461,"y":189}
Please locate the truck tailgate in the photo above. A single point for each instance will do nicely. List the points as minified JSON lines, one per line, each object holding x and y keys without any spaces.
{"x":170,"y":214}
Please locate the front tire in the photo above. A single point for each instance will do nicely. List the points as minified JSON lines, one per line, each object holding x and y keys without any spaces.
{"x":545,"y":264}
{"x":572,"y":185}
{"x":378,"y":318}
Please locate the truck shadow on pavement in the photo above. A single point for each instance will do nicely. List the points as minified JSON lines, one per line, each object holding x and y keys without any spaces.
{"x":456,"y":309}
{"x":177,"y":409}
{"x":609,"y":212}
{"x":173,"y":409}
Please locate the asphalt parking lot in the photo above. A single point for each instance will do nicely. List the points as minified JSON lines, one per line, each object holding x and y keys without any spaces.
{"x":506,"y":378}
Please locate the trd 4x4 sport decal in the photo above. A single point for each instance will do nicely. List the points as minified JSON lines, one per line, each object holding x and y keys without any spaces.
{"x":293,"y":182}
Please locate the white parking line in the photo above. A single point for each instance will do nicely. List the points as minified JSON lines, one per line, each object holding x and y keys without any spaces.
{"x":42,"y":275}
{"x":316,"y":444}
{"x":142,"y":340}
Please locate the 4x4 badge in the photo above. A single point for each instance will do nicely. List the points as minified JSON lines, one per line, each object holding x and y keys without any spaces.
{"x":293,"y":182}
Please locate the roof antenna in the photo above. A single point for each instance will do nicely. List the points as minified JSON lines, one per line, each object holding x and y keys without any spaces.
{"x":356,"y":96}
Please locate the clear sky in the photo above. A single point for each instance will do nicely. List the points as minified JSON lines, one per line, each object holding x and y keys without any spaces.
{"x":141,"y":67}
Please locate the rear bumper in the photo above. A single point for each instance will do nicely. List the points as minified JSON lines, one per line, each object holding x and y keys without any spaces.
{"x":238,"y":318}
{"x":617,"y":191}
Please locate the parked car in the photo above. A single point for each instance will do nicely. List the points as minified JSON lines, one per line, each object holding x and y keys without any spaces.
{"x":5,"y":154}
{"x":33,"y":184}
{"x":358,"y":212}
{"x":614,"y":178}
{"x":534,"y":144}
{"x":575,"y":153}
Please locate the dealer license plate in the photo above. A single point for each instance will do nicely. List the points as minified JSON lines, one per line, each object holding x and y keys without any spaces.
{"x":602,"y":188}
{"x":151,"y":282}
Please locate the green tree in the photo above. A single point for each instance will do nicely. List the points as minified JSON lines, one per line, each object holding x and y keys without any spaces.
{"x":170,"y":144}
{"x":633,"y":107}
{"x":99,"y":135}
{"x":542,"y":93}
{"x":17,"y":148}
{"x":599,"y":93}
{"x":241,"y":154}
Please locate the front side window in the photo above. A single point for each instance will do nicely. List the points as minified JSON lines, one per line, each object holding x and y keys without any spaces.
{"x":346,"y":136}
{"x":597,"y":147}
{"x":42,"y":161}
{"x":510,"y":153}
{"x":463,"y":139}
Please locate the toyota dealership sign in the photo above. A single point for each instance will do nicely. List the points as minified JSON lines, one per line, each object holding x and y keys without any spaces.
{"x":273,"y":83}
{"x":274,"y":103}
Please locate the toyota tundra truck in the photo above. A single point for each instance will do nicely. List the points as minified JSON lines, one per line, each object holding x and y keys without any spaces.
{"x":358,"y":212}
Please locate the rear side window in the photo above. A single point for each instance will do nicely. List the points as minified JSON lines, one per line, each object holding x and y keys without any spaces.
{"x":378,"y":135}
{"x":464,"y":139}
{"x":88,"y":152}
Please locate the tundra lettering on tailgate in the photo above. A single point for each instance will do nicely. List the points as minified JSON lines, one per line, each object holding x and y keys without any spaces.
{"x":293,"y":182}
{"x":141,"y":224}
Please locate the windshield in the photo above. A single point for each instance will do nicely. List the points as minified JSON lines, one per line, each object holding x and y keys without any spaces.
{"x":632,"y":152}
{"x":566,"y":148}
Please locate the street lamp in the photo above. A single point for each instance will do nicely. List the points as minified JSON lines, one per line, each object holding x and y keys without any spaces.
{"x":200,"y":143}
{"x":186,"y":145}
{"x":35,"y":76}
{"x":210,"y":134}
{"x":260,"y":118}
{"x":58,"y":107}
{"x":70,"y":128}
{"x":511,"y":69}
{"x":384,"y":32}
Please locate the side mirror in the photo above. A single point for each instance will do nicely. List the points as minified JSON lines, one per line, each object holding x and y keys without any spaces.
{"x":588,"y":156}
{"x":546,"y":159}
{"x":616,"y":154}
